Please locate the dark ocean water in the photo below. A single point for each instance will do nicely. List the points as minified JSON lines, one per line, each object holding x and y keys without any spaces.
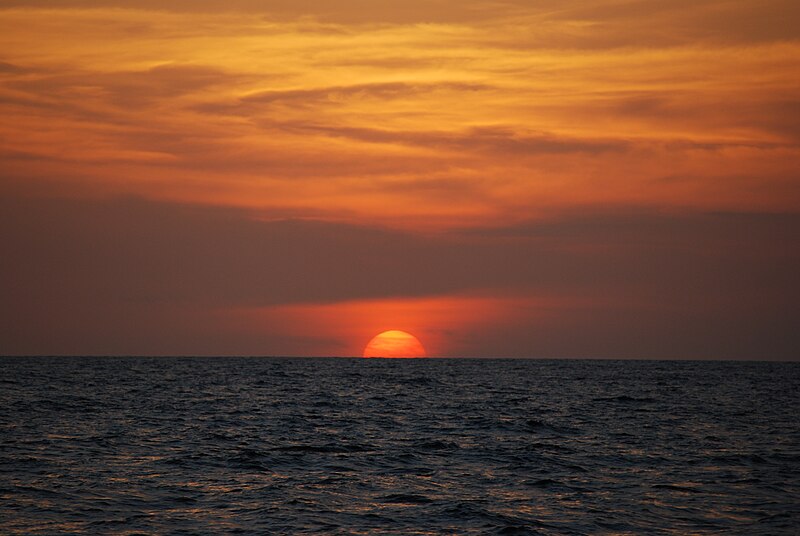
{"x":353,"y":446}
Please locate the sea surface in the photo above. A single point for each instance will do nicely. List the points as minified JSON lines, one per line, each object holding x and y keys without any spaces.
{"x":423,"y":446}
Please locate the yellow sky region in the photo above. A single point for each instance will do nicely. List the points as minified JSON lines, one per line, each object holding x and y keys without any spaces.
{"x":491,"y":118}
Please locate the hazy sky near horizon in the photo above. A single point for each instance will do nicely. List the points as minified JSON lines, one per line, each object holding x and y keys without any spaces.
{"x":572,"y":178}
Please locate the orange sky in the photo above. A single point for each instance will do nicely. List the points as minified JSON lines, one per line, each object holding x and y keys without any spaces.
{"x":600,"y":140}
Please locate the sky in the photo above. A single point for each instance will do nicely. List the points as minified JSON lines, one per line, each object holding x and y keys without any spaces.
{"x":571,"y":178}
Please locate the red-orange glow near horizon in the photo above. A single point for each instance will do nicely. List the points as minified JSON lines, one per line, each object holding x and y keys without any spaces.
{"x":342,"y":328}
{"x":394,"y":343}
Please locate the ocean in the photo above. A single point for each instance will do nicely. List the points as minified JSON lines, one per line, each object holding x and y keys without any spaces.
{"x":405,"y":446}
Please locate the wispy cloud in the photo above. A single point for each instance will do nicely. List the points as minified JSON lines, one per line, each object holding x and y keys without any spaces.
{"x":534,"y":106}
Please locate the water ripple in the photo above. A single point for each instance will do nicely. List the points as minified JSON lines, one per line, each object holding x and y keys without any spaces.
{"x":349,"y":446}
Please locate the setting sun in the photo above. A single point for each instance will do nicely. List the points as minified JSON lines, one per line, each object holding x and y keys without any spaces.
{"x":394,"y":343}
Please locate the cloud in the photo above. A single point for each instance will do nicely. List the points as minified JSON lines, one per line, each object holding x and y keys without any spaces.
{"x":494,"y":139}
{"x":6,"y":67}
{"x":125,"y":262}
{"x":383,"y":91}
{"x":681,"y":21}
{"x":633,"y":24}
{"x":124,"y":89}
{"x":575,"y":23}
{"x":512,"y":114}
{"x":346,"y":11}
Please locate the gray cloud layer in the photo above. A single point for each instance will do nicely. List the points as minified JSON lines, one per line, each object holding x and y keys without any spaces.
{"x":130,"y":276}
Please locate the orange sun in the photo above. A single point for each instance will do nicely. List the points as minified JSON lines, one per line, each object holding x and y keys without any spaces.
{"x":394,"y":343}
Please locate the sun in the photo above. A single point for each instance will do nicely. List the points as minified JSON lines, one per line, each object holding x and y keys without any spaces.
{"x":394,"y":343}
